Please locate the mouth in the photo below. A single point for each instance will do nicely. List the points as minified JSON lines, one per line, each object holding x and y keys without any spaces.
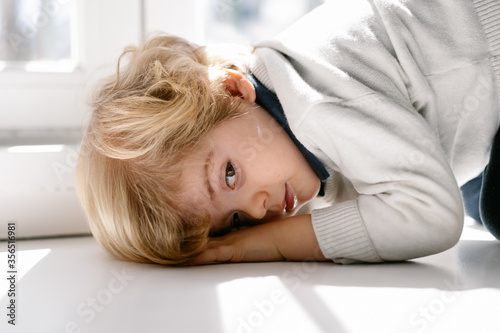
{"x":290,"y":200}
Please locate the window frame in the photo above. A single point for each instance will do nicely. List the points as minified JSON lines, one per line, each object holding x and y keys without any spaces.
{"x":60,"y":99}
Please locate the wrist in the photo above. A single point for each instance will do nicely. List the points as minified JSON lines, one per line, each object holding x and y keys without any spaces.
{"x":295,"y":239}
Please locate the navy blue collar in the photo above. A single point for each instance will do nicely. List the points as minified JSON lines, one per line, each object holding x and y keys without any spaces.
{"x":270,"y":102}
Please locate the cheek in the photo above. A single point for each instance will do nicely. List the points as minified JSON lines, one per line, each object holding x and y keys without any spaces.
{"x":311,"y":184}
{"x":261,"y":142}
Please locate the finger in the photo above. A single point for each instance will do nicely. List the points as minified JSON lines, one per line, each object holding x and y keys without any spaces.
{"x":221,"y":241}
{"x":215,"y":255}
{"x":201,"y":259}
{"x":214,"y":243}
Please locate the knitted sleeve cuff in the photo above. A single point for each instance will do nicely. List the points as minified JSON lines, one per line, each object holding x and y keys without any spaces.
{"x":342,"y":235}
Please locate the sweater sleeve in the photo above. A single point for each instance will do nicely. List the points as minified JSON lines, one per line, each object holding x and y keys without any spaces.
{"x":408,"y":203}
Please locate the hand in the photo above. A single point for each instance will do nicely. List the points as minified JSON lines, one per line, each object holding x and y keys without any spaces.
{"x":292,"y":238}
{"x":249,"y":244}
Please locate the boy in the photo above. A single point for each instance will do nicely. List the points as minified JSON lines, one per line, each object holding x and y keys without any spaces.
{"x":384,"y":108}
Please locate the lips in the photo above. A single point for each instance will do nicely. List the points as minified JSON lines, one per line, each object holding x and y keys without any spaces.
{"x":290,"y":199}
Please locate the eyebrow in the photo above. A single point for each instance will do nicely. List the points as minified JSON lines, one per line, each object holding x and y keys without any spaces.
{"x":209,"y":163}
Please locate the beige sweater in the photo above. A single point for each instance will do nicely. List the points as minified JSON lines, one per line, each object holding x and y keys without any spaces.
{"x":399,"y":100}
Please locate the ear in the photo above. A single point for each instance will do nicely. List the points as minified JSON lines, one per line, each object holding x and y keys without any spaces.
{"x":237,"y":84}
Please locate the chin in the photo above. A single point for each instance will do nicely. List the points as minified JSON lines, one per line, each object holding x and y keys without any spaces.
{"x":304,"y":208}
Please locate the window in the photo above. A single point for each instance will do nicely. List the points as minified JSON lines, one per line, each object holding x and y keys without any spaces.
{"x":251,"y":21}
{"x":38,"y":35}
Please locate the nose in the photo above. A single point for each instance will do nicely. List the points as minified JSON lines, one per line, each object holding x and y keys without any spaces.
{"x":256,"y":205}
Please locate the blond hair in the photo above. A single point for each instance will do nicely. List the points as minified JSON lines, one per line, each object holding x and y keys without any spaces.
{"x":145,"y":120}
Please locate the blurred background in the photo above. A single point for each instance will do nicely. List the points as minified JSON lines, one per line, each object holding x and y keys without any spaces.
{"x":51,"y":54}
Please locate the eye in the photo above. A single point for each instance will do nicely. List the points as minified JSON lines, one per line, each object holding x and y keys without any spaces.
{"x":236,"y":221}
{"x":230,"y":175}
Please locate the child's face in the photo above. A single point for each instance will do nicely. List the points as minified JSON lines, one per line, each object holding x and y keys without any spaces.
{"x":247,"y":169}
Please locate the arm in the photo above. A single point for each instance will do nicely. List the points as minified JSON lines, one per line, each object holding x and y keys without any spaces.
{"x":292,"y":238}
